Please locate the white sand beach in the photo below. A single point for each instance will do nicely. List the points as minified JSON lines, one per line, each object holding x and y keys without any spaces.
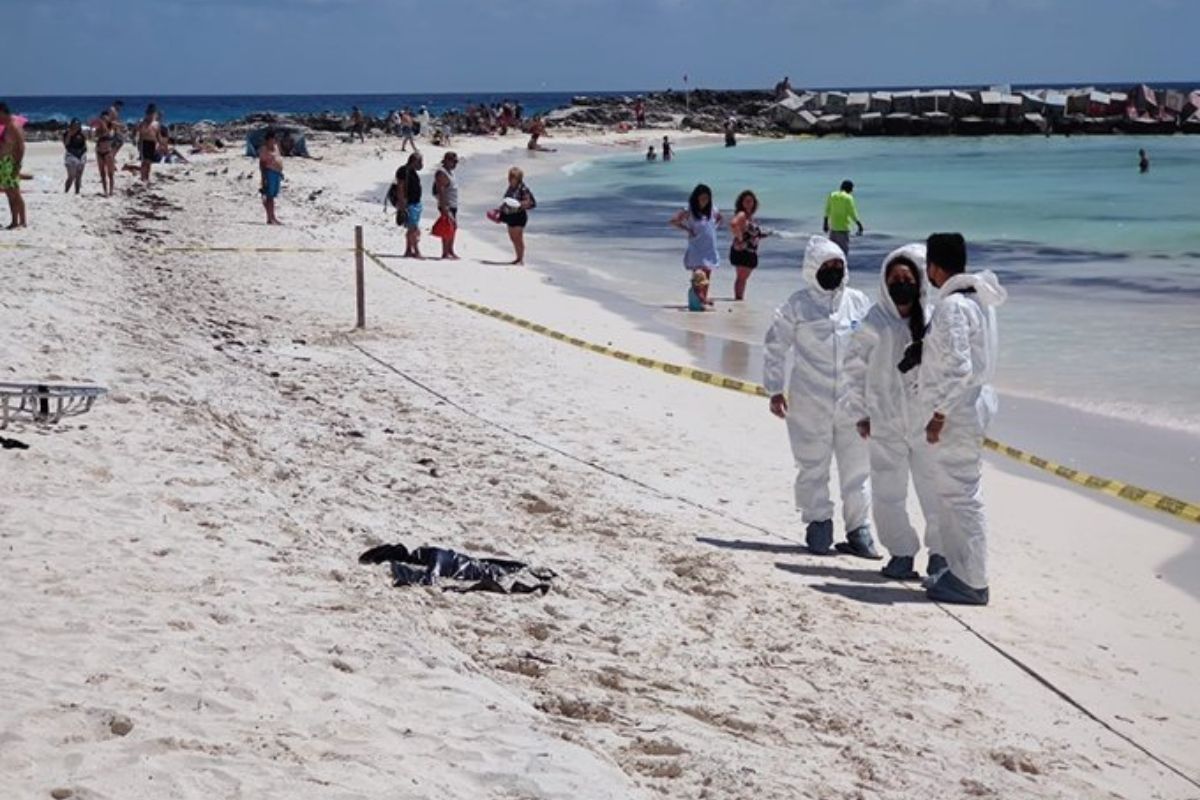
{"x":183,"y":614}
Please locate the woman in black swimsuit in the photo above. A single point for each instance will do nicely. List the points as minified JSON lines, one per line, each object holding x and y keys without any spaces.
{"x":75,"y":144}
{"x":743,"y":253}
{"x":515,"y":212}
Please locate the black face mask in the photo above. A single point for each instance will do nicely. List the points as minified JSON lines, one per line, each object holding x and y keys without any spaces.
{"x":830,"y":279}
{"x":903,"y":294}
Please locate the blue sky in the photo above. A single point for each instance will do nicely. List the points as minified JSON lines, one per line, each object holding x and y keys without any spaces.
{"x":314,"y":46}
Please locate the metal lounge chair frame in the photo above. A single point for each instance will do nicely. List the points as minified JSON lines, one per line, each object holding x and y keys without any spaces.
{"x":46,"y":404}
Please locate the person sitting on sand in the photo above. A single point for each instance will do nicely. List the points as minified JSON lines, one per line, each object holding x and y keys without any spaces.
{"x":957,"y":366}
{"x":651,"y":155}
{"x":270,"y":164}
{"x":75,"y":157}
{"x":700,"y":222}
{"x":537,"y":129}
{"x":12,"y":156}
{"x":697,"y":291}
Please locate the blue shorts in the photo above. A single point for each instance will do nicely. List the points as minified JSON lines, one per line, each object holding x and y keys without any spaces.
{"x":272,"y":181}
{"x":414,"y":216}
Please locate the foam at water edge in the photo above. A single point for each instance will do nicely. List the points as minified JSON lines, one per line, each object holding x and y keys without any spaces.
{"x":576,"y":167}
{"x":1125,"y":411}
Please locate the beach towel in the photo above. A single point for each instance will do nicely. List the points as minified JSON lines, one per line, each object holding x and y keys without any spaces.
{"x":431,"y":566}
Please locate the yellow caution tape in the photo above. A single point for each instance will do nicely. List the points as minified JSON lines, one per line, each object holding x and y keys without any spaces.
{"x":1145,"y":498}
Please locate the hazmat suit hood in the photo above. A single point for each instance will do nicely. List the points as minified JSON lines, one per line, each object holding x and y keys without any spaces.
{"x":988,"y":290}
{"x":915,"y":253}
{"x":818,"y":251}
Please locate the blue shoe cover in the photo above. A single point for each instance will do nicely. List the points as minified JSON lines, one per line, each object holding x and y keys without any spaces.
{"x":819,"y":537}
{"x":859,"y":543}
{"x":900,"y":568}
{"x":950,"y":589}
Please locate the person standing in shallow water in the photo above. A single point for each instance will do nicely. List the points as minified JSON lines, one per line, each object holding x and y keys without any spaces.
{"x":668,"y":152}
{"x":840,"y":212}
{"x":1143,"y":162}
{"x":700,"y":221}
{"x":743,"y":252}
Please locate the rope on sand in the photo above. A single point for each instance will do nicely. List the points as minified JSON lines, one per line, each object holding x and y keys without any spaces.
{"x":1062,"y":694}
{"x":1146,"y":498}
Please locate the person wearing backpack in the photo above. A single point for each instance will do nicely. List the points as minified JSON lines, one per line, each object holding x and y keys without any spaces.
{"x":405,"y":195}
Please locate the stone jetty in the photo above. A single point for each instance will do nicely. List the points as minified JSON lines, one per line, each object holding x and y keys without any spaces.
{"x":962,"y":112}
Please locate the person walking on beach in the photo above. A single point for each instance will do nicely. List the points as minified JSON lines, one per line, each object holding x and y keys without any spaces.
{"x":409,"y":184}
{"x":957,"y":366}
{"x":881,"y":375}
{"x":814,"y":327}
{"x":743,"y":252}
{"x":106,"y":153}
{"x":1143,"y":162}
{"x":357,"y":125}
{"x":406,"y":131}
{"x":270,"y":165}
{"x":75,"y":157}
{"x":12,"y":156}
{"x":514,"y":212}
{"x":840,"y":212}
{"x":445,"y":189}
{"x":700,"y":222}
{"x":147,"y":135}
{"x":118,"y":129}
{"x":668,"y":152}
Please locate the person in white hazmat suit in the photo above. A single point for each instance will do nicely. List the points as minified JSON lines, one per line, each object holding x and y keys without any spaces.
{"x":957,"y":366}
{"x":814,"y":326}
{"x":881,"y":368}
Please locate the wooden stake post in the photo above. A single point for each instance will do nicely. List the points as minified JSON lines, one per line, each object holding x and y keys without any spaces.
{"x":360,"y":294}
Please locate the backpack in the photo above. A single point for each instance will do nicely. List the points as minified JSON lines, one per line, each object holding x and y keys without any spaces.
{"x":392,"y":198}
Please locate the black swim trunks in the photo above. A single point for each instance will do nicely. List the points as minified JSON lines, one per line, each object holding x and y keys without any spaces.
{"x":149,"y":150}
{"x":518,"y":220}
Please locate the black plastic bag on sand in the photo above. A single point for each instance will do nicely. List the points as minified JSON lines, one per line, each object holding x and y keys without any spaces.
{"x":427,"y":566}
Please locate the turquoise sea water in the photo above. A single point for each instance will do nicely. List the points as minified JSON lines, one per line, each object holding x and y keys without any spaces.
{"x":1102,"y":263}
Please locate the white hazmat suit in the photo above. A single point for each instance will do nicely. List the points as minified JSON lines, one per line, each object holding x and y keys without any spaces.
{"x":814,"y":325}
{"x":880,"y":392}
{"x":955,"y":380}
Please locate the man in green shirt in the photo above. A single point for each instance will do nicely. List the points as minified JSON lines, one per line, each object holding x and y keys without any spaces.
{"x":840,"y":211}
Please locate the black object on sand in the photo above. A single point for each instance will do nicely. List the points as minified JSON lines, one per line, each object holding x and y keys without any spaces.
{"x":427,"y":566}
